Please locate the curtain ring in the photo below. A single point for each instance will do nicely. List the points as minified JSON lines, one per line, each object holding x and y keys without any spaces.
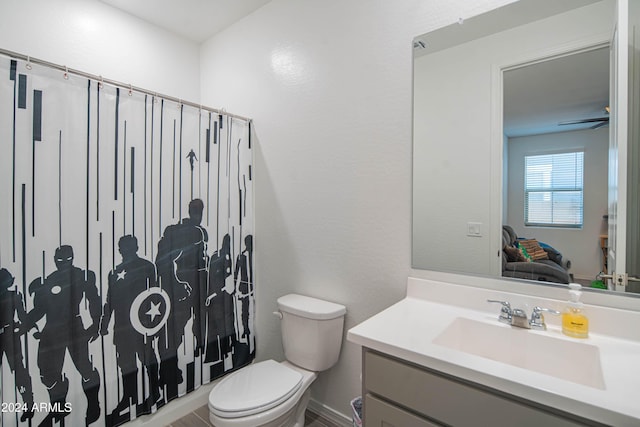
{"x":130,"y":90}
{"x":66,"y":73}
{"x":28,"y":64}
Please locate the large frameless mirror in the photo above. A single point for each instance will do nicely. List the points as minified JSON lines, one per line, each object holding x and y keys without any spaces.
{"x":512,"y":145}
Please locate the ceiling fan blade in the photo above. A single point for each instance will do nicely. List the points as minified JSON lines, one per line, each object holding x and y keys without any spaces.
{"x":599,"y":125}
{"x":577,"y":122}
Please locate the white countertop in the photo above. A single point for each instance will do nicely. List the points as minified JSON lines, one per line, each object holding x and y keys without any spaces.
{"x":407,"y":329}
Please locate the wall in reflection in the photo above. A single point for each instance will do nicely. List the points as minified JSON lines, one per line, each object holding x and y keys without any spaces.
{"x":579,"y":245}
{"x":457,"y":160}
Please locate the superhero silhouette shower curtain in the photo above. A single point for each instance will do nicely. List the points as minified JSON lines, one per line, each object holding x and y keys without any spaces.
{"x":126,"y":248}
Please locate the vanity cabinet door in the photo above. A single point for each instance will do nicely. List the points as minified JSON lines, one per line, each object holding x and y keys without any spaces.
{"x":382,"y":414}
{"x":452,"y":401}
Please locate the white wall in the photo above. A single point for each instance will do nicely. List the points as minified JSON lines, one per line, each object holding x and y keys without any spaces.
{"x":329,"y":86}
{"x":90,"y":36}
{"x":333,"y":127}
{"x":455,"y":101}
{"x":581,"y":246}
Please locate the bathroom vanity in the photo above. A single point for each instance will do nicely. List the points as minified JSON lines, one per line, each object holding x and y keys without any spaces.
{"x":433,"y":398}
{"x":440,"y":357}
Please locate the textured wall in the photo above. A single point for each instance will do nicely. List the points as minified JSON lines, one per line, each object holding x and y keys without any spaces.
{"x":455,"y":105}
{"x":329,"y":87}
{"x":580,"y":246}
{"x":90,"y":36}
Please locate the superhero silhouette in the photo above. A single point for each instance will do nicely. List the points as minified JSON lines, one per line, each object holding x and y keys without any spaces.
{"x":182,"y":268}
{"x":127,"y":283}
{"x":11,"y":305}
{"x":58,"y":298}
{"x":221,"y":333}
{"x":243,"y":278}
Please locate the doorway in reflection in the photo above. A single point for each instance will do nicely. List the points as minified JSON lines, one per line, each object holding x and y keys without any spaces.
{"x":555,"y":167}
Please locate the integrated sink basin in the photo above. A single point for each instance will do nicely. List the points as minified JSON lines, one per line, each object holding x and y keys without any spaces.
{"x":565,"y":359}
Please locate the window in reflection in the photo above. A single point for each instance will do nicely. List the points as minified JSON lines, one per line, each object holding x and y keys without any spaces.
{"x":554,"y":190}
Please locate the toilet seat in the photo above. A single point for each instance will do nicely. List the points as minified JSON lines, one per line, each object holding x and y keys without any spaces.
{"x":253,"y":389}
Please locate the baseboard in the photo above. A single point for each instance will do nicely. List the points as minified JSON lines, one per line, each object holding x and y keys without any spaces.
{"x":184,"y":405}
{"x":330,"y":414}
{"x":584,"y":279}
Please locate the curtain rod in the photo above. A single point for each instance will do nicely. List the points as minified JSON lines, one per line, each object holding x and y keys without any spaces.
{"x":100,"y":79}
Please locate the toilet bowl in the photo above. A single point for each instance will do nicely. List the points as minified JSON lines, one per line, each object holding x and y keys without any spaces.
{"x":266,"y":394}
{"x":276,"y":394}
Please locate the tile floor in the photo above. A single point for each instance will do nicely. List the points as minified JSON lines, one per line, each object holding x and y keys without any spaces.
{"x":200,"y":418}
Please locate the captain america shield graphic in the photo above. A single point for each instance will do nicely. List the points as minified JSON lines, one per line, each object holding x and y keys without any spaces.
{"x":149,"y":311}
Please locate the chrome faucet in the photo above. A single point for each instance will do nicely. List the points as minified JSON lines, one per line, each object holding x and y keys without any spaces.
{"x":506,"y":314}
{"x":518,"y":317}
{"x":537,"y":319}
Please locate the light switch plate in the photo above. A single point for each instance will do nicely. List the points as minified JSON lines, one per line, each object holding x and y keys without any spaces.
{"x":474,"y":229}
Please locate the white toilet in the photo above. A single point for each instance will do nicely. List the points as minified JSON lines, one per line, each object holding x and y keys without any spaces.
{"x":273,"y":394}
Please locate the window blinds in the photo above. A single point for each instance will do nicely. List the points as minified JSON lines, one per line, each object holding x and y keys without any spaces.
{"x":554,"y":190}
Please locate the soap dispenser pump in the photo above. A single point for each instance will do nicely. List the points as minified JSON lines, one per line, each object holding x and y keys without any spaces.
{"x":574,"y":320}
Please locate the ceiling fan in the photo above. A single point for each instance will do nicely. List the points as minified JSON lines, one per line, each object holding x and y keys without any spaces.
{"x":598,"y":121}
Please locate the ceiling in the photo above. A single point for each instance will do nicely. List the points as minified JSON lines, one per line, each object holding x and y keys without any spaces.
{"x":197,"y":20}
{"x":537,"y":97}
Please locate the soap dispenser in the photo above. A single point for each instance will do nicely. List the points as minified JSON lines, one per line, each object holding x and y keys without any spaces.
{"x":574,"y":320}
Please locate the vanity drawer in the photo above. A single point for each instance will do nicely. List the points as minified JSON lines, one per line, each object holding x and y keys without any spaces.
{"x":383,"y":414}
{"x":448,"y":400}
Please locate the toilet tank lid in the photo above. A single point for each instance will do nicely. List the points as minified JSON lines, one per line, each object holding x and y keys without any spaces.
{"x":310,"y":308}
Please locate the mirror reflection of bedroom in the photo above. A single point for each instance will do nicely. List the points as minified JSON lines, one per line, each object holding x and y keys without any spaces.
{"x":555,"y":168}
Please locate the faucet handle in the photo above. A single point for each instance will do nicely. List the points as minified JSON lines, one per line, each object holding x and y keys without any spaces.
{"x":537,"y":319}
{"x":505,"y":304}
{"x":505,"y":311}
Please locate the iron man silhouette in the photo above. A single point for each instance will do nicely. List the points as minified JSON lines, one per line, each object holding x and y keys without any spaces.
{"x":58,"y":298}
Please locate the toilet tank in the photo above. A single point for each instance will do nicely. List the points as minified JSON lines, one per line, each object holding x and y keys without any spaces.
{"x":311,"y":331}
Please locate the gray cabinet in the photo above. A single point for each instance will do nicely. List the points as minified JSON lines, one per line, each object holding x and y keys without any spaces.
{"x":397,"y":393}
{"x":383,"y":414}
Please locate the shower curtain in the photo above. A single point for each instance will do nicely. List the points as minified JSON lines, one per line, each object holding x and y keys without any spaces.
{"x":126,"y":248}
